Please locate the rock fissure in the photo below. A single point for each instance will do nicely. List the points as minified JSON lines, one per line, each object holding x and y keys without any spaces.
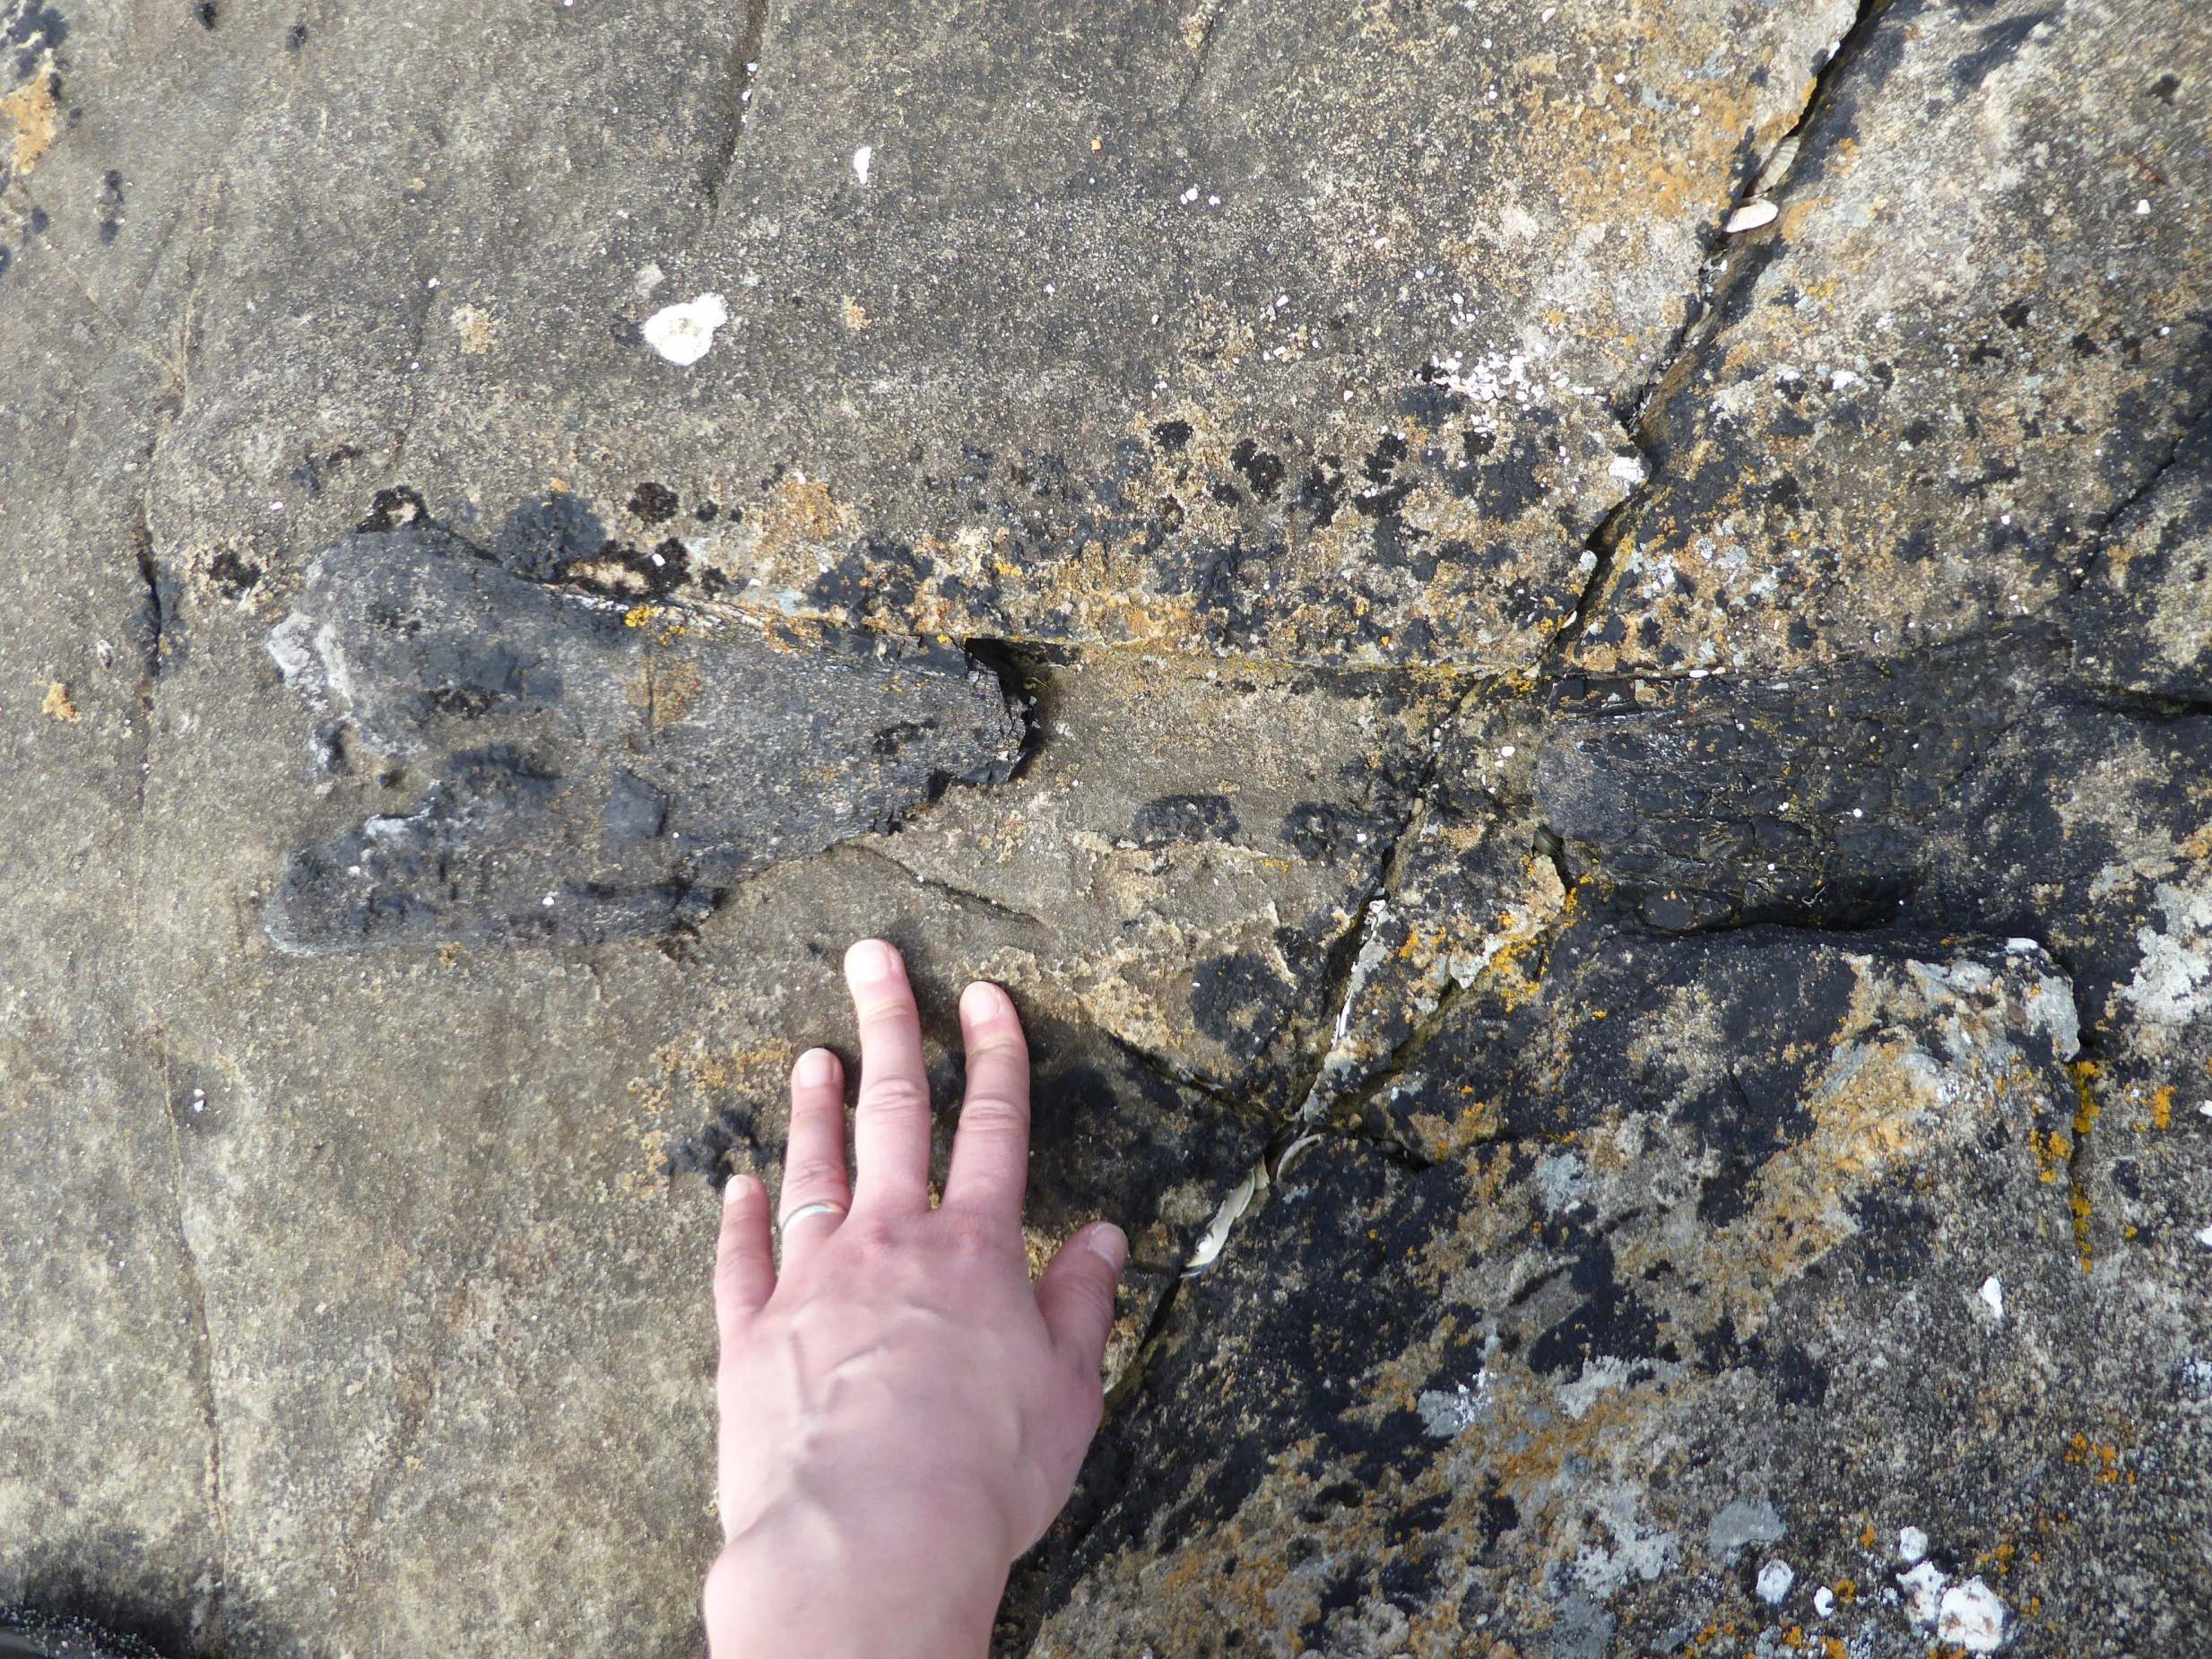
{"x":207,"y":1606}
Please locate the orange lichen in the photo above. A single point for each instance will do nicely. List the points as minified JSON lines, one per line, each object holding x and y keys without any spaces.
{"x":34,"y":111}
{"x":2101,"y":1461}
{"x":58,"y":706}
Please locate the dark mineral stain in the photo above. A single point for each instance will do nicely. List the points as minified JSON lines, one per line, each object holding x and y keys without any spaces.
{"x":313,"y":472}
{"x":1895,"y":1237}
{"x":1609,"y":1322}
{"x":707,"y":1152}
{"x":31,"y":32}
{"x":636,"y":810}
{"x":653,"y":504}
{"x":208,"y":12}
{"x":1172,"y":434}
{"x":295,"y":37}
{"x":232,"y":575}
{"x":1232,"y":1000}
{"x":1321,"y":491}
{"x":394,"y":509}
{"x":1172,"y":819}
{"x":1262,"y":471}
{"x":878,"y":576}
{"x":1322,"y":832}
{"x":110,"y":205}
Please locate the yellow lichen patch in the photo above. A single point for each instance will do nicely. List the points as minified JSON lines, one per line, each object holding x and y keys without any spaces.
{"x":2102,"y":1462}
{"x":856,"y":319}
{"x":2162,"y":1107}
{"x":59,"y":705}
{"x":639,"y":615}
{"x":2051,"y":1151}
{"x":34,"y":111}
{"x":2085,"y":1073}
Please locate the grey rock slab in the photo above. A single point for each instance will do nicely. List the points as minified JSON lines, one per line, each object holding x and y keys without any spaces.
{"x":110,"y":1476}
{"x":1195,"y":843}
{"x":591,"y":771}
{"x":1975,"y":332}
{"x":1192,"y":328}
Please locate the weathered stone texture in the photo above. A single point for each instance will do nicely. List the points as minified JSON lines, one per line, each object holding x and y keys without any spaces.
{"x":1609,"y":824}
{"x":1976,"y":329}
{"x":1703,"y":1304}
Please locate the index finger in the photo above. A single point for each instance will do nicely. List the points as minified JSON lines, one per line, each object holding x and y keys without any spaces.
{"x":990,"y":1147}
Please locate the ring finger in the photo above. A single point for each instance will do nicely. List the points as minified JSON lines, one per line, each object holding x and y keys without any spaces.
{"x":814,"y":1154}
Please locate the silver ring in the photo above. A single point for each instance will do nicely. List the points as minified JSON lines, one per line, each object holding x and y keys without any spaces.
{"x":821,"y":1206}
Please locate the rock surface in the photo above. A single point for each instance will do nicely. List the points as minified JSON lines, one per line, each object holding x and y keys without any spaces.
{"x":1608,"y":819}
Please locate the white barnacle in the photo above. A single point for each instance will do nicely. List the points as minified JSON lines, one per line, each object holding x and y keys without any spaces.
{"x":683,"y":333}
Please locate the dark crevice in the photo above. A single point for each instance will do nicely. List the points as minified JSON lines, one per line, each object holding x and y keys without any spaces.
{"x":209,"y":1607}
{"x":1202,"y":55}
{"x":2193,"y":426}
{"x":958,"y":895}
{"x":714,"y":176}
{"x":2153,"y":708}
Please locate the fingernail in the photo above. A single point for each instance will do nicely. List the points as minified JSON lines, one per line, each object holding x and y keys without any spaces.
{"x":1109,"y":1244}
{"x":983,"y":1001}
{"x":870,"y":960}
{"x":816,"y":1066}
{"x":738,"y":1186}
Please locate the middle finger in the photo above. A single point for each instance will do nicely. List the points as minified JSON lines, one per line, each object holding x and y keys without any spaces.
{"x":890,"y":1125}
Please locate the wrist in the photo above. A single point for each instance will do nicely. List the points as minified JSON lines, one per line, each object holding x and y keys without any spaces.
{"x":805,"y":1580}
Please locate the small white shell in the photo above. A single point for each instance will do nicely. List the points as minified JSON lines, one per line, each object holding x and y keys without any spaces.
{"x":683,"y":333}
{"x":1751,"y":216}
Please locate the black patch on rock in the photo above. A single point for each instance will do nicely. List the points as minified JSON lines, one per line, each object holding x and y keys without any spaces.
{"x":653,"y":504}
{"x":1172,"y":818}
{"x":394,"y":509}
{"x":544,"y":820}
{"x":233,"y":576}
{"x":1233,"y":1000}
{"x":1609,"y":1321}
{"x":110,"y":205}
{"x":30,"y":34}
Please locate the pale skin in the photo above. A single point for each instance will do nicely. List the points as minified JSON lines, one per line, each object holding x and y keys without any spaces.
{"x":902,"y":1413}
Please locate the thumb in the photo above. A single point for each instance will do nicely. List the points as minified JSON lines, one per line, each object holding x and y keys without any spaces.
{"x":1076,"y":1292}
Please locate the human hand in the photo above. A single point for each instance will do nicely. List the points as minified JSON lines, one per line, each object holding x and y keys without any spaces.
{"x":901,"y":1414}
